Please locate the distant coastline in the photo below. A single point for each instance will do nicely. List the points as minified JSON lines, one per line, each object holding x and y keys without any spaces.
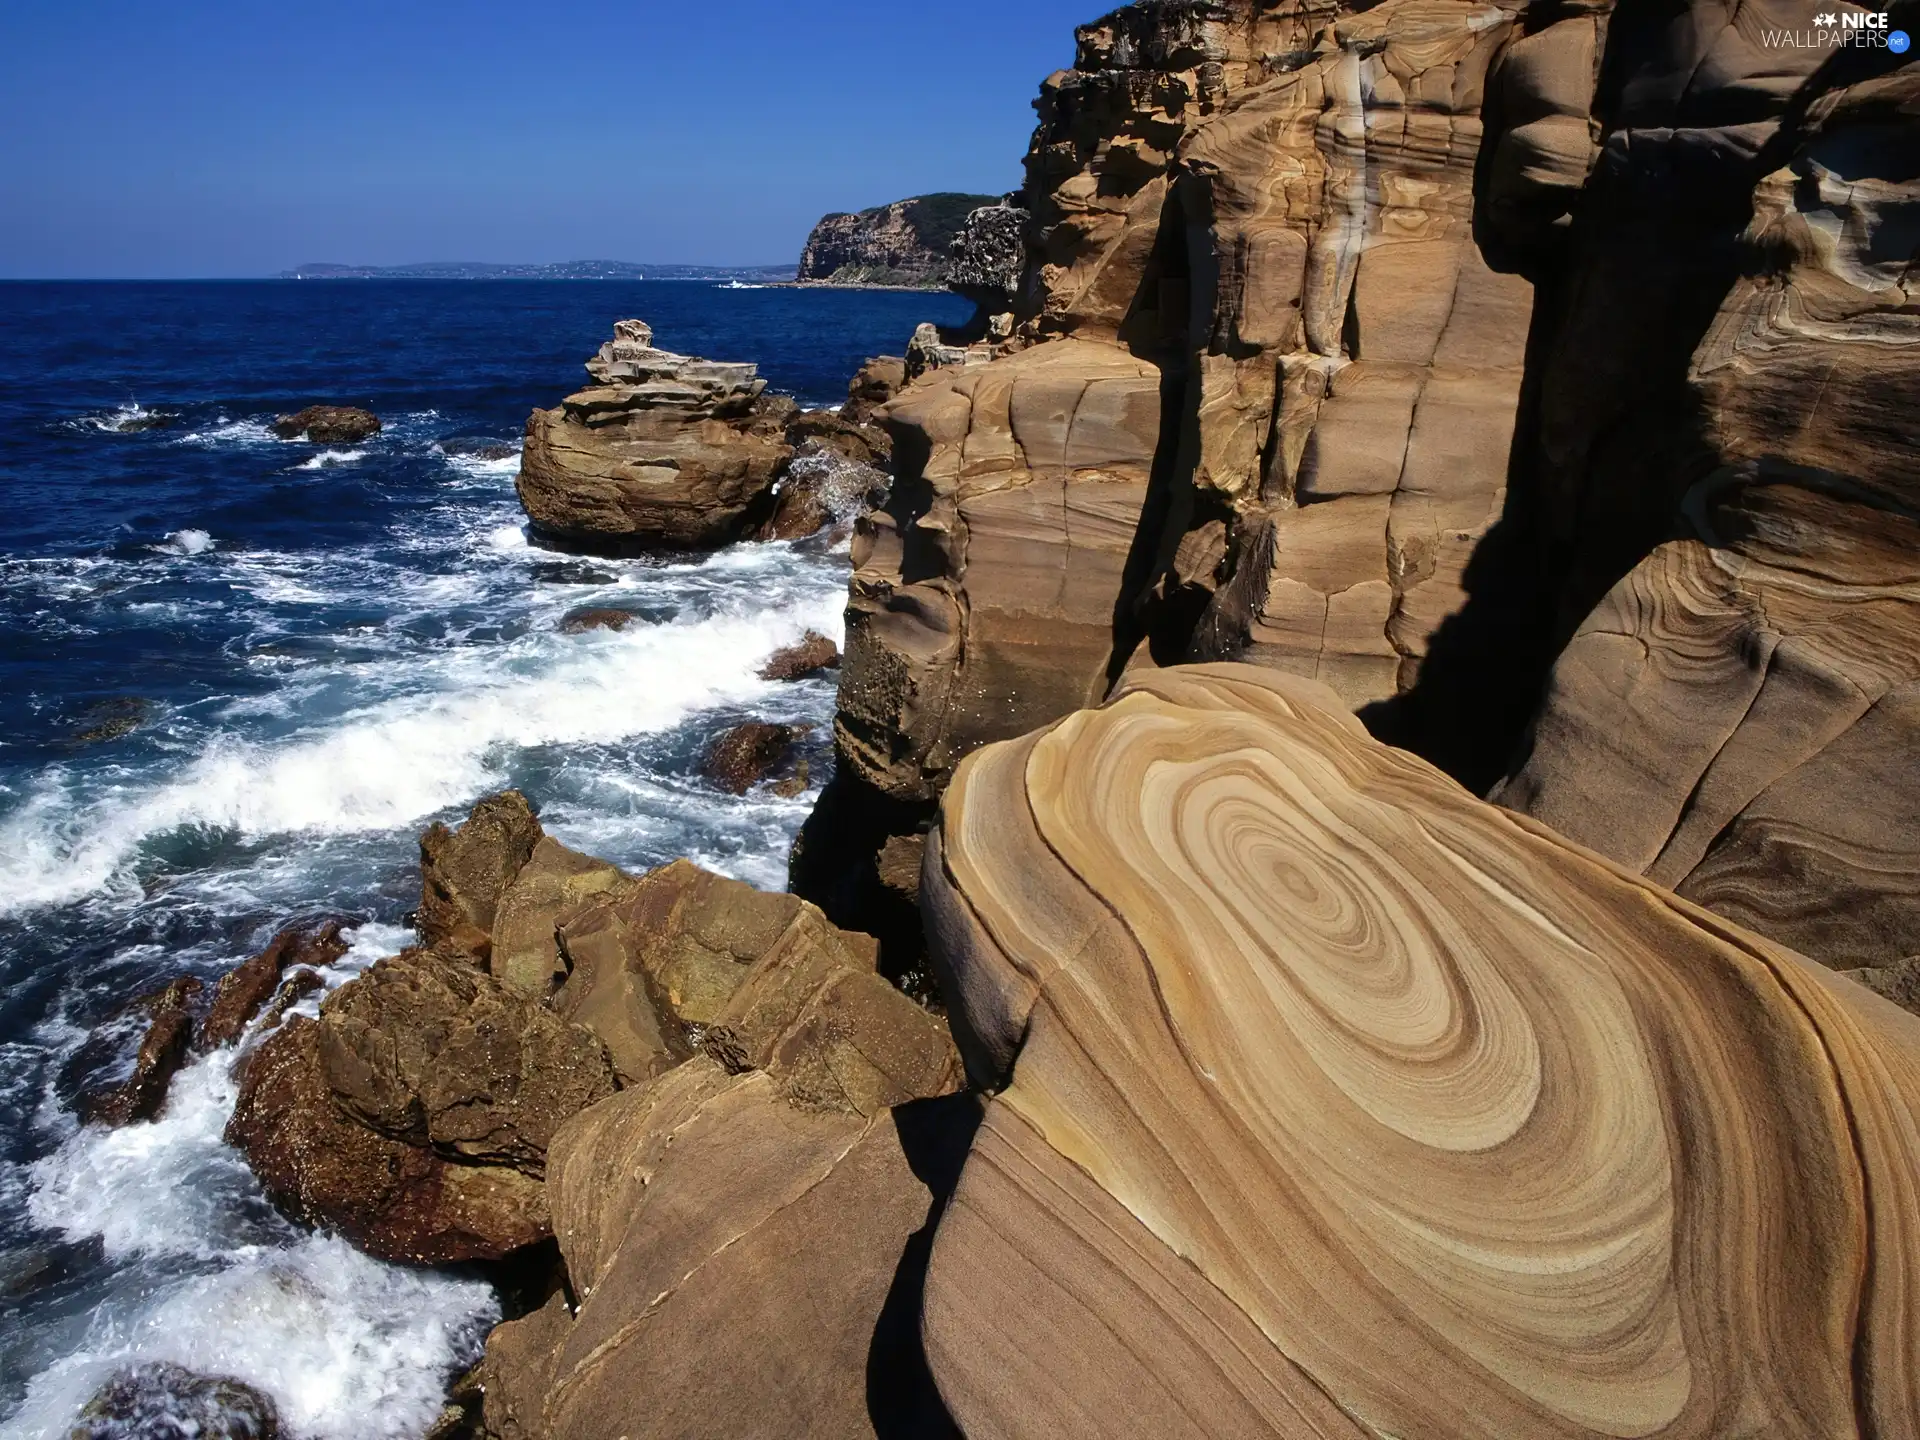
{"x":566,"y":270}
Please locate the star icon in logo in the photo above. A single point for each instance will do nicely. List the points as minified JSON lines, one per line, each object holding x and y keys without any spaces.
{"x":1827,"y":19}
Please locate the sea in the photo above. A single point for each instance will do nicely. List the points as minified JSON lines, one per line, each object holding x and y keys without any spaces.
{"x":239,"y":675}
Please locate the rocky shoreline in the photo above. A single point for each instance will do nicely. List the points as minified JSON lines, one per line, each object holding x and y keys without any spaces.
{"x":1367,"y":885}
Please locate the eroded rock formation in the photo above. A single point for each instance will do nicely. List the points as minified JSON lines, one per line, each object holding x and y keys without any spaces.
{"x":1737,"y":717}
{"x":1337,"y":1102}
{"x":662,"y":451}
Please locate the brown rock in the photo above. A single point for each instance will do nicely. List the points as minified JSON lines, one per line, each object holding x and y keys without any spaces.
{"x":413,"y":1116}
{"x":328,"y":425}
{"x":610,"y":993}
{"x":662,"y":451}
{"x":1334,"y":1101}
{"x":553,"y":884}
{"x":299,"y":985}
{"x":579,"y":622}
{"x":241,"y":992}
{"x":434,"y":1053}
{"x":464,"y":872}
{"x":163,"y":1051}
{"x":747,"y":754}
{"x":396,"y":1201}
{"x":823,"y":485}
{"x":872,"y":386}
{"x":814,"y":653}
{"x":674,"y":1201}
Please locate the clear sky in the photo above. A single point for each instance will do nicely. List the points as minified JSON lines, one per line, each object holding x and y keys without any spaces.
{"x":243,"y":137}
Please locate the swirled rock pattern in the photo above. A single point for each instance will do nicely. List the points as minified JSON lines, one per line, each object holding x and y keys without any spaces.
{"x":1738,"y":717}
{"x":1336,"y":1102}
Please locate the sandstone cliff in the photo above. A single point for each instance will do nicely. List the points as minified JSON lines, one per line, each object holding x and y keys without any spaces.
{"x":906,"y":243}
{"x":1668,"y":495}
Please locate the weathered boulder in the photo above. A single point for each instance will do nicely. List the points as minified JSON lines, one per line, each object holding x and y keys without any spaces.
{"x":745,"y":755}
{"x":394,"y":1200}
{"x":464,"y":872}
{"x":674,"y":1201}
{"x":873,"y":384}
{"x":1334,"y":1101}
{"x":162,"y":1400}
{"x":662,"y":451}
{"x":990,"y":257}
{"x":163,"y":1050}
{"x":762,"y":980}
{"x":328,"y":425}
{"x":413,"y":1116}
{"x":242,"y":992}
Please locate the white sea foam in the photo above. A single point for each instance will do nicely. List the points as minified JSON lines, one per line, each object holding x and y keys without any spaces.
{"x":232,"y":432}
{"x":122,"y":418}
{"x":186,"y":542}
{"x":328,"y":459}
{"x":345,"y":1345}
{"x":398,"y":761}
{"x":484,"y":467}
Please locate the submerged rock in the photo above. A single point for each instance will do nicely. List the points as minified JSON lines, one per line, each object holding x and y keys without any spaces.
{"x":162,"y":1401}
{"x":662,"y":451}
{"x":813,"y":653}
{"x":579,"y":622}
{"x":163,"y":1051}
{"x":106,"y":720}
{"x":238,"y":997}
{"x":747,"y":754}
{"x":328,"y":425}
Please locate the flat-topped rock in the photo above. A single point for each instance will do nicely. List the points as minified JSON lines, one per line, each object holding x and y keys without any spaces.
{"x":661,"y":451}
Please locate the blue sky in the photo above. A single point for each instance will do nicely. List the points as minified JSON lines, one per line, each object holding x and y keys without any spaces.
{"x":219,"y":138}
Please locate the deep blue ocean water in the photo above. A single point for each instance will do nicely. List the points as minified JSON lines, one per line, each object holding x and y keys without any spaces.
{"x":313,"y":652}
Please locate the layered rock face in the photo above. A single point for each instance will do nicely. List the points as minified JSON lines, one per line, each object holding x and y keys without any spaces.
{"x":1736,"y":717}
{"x":982,"y":597}
{"x":906,"y":243}
{"x":1336,"y":1102}
{"x":661,"y":451}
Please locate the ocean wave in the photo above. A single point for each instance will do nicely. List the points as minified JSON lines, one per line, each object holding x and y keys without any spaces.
{"x":233,"y":432}
{"x":327,"y":459}
{"x":125,"y":419}
{"x":399,"y":761}
{"x":186,"y":542}
{"x":483,"y":465}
